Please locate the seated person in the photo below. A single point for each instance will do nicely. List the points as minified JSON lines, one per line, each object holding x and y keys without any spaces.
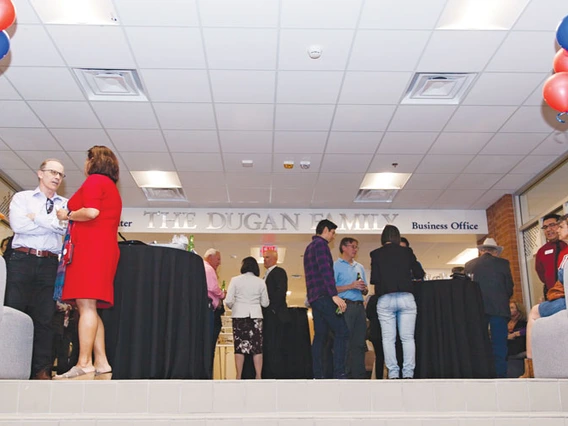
{"x":458,"y":273}
{"x":517,"y":339}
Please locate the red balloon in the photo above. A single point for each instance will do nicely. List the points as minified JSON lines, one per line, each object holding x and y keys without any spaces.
{"x":7,"y":14}
{"x":555,"y":91}
{"x":561,"y":61}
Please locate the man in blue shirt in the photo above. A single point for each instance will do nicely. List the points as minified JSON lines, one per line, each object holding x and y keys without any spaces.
{"x":350,"y":282}
{"x":327,"y":306}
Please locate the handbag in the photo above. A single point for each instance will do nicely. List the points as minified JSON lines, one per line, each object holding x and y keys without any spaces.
{"x":556,"y":291}
{"x":64,"y":260}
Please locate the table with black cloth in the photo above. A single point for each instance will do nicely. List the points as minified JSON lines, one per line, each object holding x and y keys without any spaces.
{"x":298,"y":357}
{"x":159,"y":327}
{"x":451,"y":333}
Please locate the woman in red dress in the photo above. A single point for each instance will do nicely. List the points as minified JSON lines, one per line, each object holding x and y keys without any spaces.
{"x":95,"y":212}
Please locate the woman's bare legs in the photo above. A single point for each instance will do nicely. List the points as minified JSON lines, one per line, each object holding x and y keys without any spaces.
{"x":257,"y":361}
{"x":239,"y":362}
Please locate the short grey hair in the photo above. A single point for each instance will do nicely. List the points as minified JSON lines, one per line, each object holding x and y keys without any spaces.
{"x":210,"y":252}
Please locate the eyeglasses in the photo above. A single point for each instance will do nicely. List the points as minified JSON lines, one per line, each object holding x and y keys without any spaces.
{"x":49,"y":205}
{"x":353,"y":246}
{"x":551,"y":225}
{"x":54,"y":173}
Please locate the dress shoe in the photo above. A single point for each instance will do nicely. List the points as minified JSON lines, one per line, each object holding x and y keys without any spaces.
{"x":42,"y":375}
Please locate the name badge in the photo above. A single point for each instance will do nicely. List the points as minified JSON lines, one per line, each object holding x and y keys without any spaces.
{"x":550,"y":251}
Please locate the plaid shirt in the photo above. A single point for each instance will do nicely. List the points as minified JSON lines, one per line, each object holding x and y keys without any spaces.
{"x":318,"y":269}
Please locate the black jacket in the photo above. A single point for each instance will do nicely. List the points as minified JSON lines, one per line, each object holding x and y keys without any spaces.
{"x":277,"y":286}
{"x":393,"y":268}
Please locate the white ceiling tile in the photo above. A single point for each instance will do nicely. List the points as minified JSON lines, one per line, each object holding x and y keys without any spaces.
{"x":177,"y":116}
{"x":174,"y":13}
{"x":65,"y":114}
{"x":92,"y":46}
{"x":538,"y":50}
{"x":246,"y":141}
{"x":512,"y":182}
{"x":126,"y":181}
{"x":493,"y":163}
{"x":309,"y":87}
{"x":207,"y":195}
{"x":34,"y":159}
{"x":25,"y":13}
{"x":300,"y":142}
{"x":126,"y":115}
{"x":401,"y":14}
{"x":555,"y":144}
{"x":81,"y":139}
{"x":244,"y":13}
{"x":243,"y":86}
{"x":7,"y":91}
{"x":32,"y":47}
{"x":198,"y":162}
{"x":53,"y":84}
{"x":138,"y":140}
{"x":532,"y":119}
{"x":245,"y":116}
{"x":536,"y":97}
{"x":29,"y":139}
{"x":405,"y":163}
{"x":413,"y":198}
{"x":513,"y":143}
{"x":350,"y":181}
{"x":503,"y":88}
{"x":10,"y":161}
{"x":4,"y":147}
{"x":367,"y":118}
{"x":146,"y":41}
{"x":251,"y":179}
{"x":292,"y":197}
{"x":320,"y":13}
{"x":78,"y":162}
{"x":192,"y":140}
{"x":407,"y":142}
{"x":17,"y":114}
{"x":466,"y":56}
{"x":248,"y":48}
{"x":391,"y":50}
{"x":314,"y":159}
{"x":475,"y":181}
{"x":177,"y":85}
{"x":74,"y":178}
{"x":148,"y":161}
{"x":488,"y":199}
{"x":374,"y":87}
{"x":333,"y":163}
{"x":457,"y":198}
{"x":294,"y":44}
{"x":434,"y":163}
{"x":541,"y":15}
{"x":262,"y":163}
{"x":353,"y":142}
{"x":430,"y":181}
{"x":202,"y":179}
{"x":534,"y":164}
{"x":27,"y":178}
{"x":249,"y":196}
{"x":324,"y":193}
{"x":295,"y":178}
{"x":422,"y":118}
{"x":479,"y":119}
{"x":303,"y":117}
{"x":460,"y":143}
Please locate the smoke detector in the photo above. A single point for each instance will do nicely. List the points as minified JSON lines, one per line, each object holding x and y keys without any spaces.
{"x":305,"y":165}
{"x":314,"y":52}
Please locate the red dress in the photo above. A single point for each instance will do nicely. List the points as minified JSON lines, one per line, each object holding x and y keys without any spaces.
{"x":90,"y":275}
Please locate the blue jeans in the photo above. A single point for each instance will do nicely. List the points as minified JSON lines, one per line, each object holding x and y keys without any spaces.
{"x":393,"y":309}
{"x":325,"y":318}
{"x":499,"y":332}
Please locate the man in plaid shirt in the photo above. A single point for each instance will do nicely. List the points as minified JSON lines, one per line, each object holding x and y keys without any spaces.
{"x":327,"y":306}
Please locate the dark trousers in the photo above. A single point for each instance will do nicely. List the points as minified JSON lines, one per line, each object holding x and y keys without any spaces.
{"x":357,"y":346}
{"x":29,"y":288}
{"x":325,"y":319}
{"x":499,"y":332}
{"x":275,"y":346}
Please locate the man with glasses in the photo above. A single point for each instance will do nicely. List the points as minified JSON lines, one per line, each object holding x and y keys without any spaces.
{"x":546,"y":264}
{"x":351,"y":287}
{"x":32,"y":266}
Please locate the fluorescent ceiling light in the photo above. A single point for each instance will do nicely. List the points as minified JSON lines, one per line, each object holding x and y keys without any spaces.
{"x":385,"y":180}
{"x":481,"y":14}
{"x":464,"y":257}
{"x":76,"y":12}
{"x":156,"y":179}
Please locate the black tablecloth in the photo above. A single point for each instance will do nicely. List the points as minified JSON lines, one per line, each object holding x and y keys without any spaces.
{"x":451,"y":333}
{"x":159,"y":327}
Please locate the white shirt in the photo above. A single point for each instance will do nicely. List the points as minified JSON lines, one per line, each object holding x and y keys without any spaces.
{"x":45,"y":231}
{"x":247,"y":293}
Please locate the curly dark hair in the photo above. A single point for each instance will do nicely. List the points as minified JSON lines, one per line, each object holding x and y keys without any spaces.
{"x":102,"y":161}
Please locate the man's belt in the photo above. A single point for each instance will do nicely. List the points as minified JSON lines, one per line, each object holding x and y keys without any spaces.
{"x":353,"y":302}
{"x":34,"y":252}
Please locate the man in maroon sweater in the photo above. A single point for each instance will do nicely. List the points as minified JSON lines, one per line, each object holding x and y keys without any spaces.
{"x":547,"y":256}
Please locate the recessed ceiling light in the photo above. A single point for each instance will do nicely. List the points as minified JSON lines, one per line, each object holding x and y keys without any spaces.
{"x":385,"y":180}
{"x":481,"y":14}
{"x":76,"y":12}
{"x":156,"y":179}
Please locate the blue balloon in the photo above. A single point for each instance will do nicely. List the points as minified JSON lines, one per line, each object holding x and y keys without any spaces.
{"x":4,"y":44}
{"x":562,"y":33}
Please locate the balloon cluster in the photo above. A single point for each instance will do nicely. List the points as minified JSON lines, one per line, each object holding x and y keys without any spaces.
{"x":555,"y":90}
{"x":7,"y":18}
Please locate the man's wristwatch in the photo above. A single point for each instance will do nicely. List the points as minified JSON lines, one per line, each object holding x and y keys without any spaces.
{"x":69,"y":214}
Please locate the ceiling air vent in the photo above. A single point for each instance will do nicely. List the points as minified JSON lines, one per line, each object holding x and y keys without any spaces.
{"x":111,"y":85}
{"x":375,"y":195}
{"x":164,"y":194}
{"x":438,"y":88}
